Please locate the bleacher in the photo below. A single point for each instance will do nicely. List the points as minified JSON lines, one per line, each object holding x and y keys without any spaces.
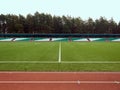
{"x":61,"y":39}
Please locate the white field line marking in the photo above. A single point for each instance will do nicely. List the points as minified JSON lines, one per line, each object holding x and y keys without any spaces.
{"x":59,"y":56}
{"x":64,"y":62}
{"x":92,"y":62}
{"x":60,"y":82}
{"x":19,"y":62}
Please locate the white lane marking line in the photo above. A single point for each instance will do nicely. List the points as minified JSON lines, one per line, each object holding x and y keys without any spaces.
{"x":117,"y":82}
{"x":42,"y":82}
{"x":60,"y":82}
{"x":59,"y":56}
{"x":101,"y":82}
{"x":78,"y":82}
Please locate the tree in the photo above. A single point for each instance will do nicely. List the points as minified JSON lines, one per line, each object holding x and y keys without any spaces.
{"x":112,"y":26}
{"x":118,"y":29}
{"x":45,"y":23}
{"x":19,"y":28}
{"x":101,"y":25}
{"x":30,"y":25}
{"x":90,"y":26}
{"x":57,"y":24}
{"x":2,"y":23}
{"x":67,"y":27}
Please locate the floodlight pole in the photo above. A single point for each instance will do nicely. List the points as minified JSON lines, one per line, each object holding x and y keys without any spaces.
{"x":5,"y":22}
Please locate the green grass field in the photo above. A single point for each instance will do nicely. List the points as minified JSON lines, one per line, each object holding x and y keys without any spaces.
{"x":59,"y":56}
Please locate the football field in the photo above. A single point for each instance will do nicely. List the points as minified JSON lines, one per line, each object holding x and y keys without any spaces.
{"x":59,"y":56}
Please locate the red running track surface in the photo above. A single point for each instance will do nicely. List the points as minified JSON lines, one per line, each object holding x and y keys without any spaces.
{"x":59,"y":80}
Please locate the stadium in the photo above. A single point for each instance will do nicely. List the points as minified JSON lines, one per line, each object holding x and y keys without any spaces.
{"x":64,"y":45}
{"x":74,"y":59}
{"x":59,"y":52}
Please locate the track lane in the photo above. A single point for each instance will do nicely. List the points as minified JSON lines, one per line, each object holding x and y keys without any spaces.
{"x":59,"y":81}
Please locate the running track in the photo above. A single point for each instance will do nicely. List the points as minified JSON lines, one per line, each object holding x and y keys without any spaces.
{"x":59,"y":80}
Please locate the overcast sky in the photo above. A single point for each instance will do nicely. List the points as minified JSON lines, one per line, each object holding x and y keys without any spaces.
{"x":74,"y":8}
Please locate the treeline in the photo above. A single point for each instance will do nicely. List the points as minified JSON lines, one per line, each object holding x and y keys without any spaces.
{"x":46,"y":23}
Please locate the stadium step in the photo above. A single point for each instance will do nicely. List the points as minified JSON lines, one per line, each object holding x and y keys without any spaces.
{"x":60,"y":39}
{"x":6,"y":39}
